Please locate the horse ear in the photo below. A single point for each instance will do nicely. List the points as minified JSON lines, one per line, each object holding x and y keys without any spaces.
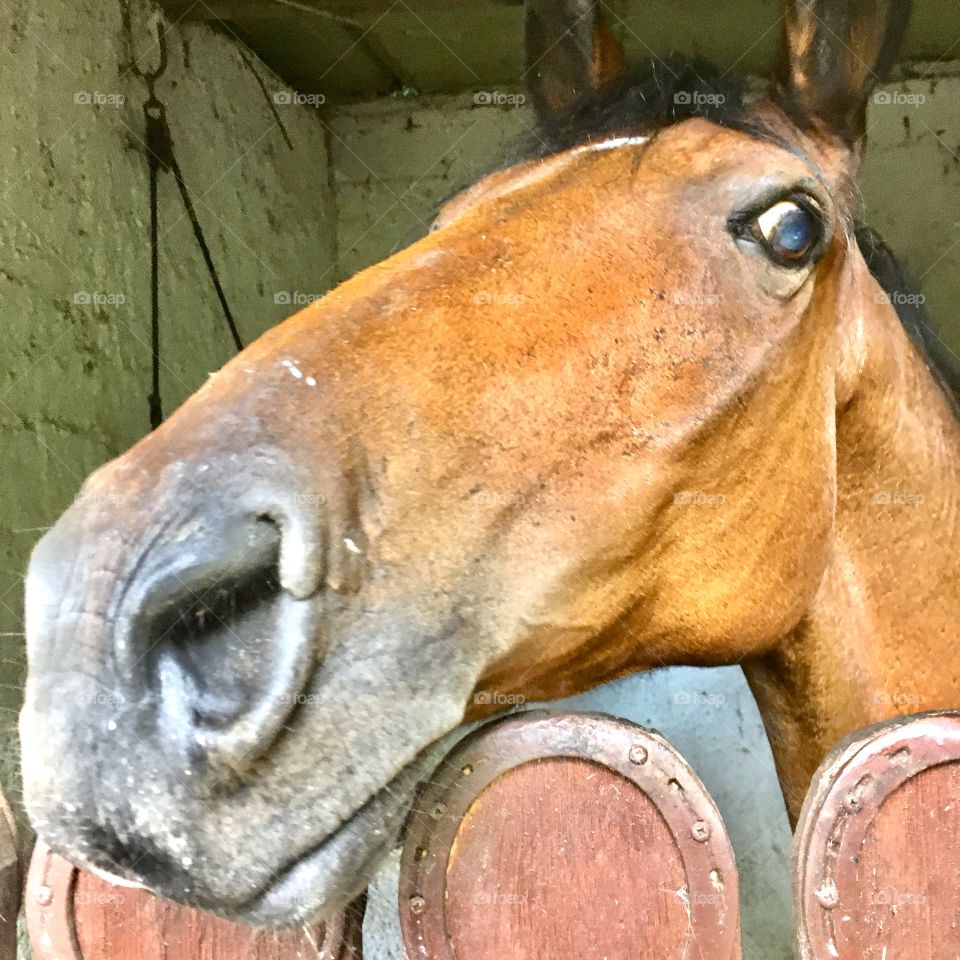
{"x":837,"y":51}
{"x":571,"y":55}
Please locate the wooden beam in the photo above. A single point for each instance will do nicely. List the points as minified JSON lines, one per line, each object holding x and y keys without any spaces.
{"x":179,"y":10}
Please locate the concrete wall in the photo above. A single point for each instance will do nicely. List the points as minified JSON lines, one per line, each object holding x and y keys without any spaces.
{"x":74,"y":254}
{"x":395,"y":161}
{"x":911,"y":185}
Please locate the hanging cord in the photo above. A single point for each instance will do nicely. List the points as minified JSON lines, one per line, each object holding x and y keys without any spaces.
{"x":161,"y":157}
{"x":205,"y":250}
{"x":159,"y":154}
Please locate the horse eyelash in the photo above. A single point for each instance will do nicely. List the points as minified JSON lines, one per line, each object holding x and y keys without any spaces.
{"x":741,"y":222}
{"x":801,"y":198}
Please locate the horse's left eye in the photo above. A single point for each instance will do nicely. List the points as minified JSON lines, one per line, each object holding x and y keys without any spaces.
{"x":791,"y":232}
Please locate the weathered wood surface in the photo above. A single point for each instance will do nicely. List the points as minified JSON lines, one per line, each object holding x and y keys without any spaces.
{"x":72,"y":915}
{"x":877,"y":851}
{"x":547,"y":836}
{"x":257,"y":9}
{"x":10,"y":882}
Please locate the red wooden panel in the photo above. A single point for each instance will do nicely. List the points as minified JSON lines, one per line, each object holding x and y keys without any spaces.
{"x":545,"y":837}
{"x":9,"y":882}
{"x":73,"y":915}
{"x":877,"y":853}
{"x":583,"y":828}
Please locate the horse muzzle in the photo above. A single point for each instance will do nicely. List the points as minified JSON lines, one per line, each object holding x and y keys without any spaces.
{"x":202,"y":656}
{"x":193,"y":630}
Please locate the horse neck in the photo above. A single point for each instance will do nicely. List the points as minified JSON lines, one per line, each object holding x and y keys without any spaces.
{"x":880,"y":638}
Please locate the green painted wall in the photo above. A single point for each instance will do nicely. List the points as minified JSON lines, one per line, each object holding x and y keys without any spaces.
{"x":462,"y":45}
{"x":74,"y":254}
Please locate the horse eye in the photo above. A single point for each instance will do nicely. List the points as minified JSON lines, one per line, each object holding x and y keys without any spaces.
{"x":790,"y":232}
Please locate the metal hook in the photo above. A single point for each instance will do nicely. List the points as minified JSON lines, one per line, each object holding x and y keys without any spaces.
{"x":159,"y":29}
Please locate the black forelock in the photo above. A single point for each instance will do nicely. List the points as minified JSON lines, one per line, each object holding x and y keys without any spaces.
{"x":653,"y":95}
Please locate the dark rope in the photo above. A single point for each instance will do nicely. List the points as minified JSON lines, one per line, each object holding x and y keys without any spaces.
{"x":160,"y":156}
{"x":271,"y":106}
{"x":205,"y":250}
{"x":155,"y":400}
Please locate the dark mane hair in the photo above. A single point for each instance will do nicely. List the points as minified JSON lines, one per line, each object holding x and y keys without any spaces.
{"x":906,"y":299}
{"x":653,"y":95}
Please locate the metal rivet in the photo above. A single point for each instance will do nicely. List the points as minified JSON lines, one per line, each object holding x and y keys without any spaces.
{"x":828,"y":896}
{"x":439,"y":810}
{"x":44,"y":895}
{"x":417,"y":904}
{"x":853,"y":803}
{"x":700,"y":831}
{"x":638,"y":753}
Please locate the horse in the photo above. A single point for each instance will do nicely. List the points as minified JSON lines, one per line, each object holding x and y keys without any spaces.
{"x":638,"y":399}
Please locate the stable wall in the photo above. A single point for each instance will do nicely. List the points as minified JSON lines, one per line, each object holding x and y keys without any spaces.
{"x":75,"y":260}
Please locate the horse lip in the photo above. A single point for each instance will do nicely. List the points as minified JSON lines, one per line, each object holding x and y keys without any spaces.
{"x":298,"y":892}
{"x":293,"y":897}
{"x":115,"y":879}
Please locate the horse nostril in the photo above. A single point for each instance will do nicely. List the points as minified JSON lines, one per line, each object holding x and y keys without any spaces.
{"x":229,"y":650}
{"x":221,"y":625}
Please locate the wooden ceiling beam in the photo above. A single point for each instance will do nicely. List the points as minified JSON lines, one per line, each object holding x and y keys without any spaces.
{"x":241,"y":10}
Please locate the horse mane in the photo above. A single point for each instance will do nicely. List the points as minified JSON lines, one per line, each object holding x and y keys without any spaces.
{"x":905,"y":297}
{"x":653,"y":95}
{"x":659,"y":94}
